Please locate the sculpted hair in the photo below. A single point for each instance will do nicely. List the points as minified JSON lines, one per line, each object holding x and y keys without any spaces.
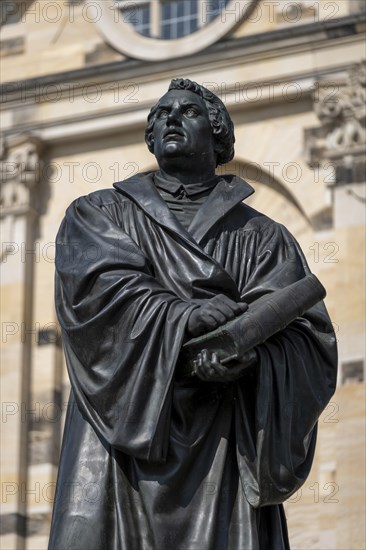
{"x":221,"y":123}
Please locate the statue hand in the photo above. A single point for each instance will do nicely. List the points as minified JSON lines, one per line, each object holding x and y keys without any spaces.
{"x":208,"y":367}
{"x":213,"y":313}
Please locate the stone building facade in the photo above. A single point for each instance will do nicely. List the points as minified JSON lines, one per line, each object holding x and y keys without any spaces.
{"x":78,"y":78}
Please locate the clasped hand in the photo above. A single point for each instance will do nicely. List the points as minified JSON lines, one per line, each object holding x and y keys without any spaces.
{"x":208,"y":367}
{"x":213,"y":313}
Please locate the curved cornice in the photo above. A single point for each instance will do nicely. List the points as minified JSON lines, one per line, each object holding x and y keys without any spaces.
{"x":270,"y":44}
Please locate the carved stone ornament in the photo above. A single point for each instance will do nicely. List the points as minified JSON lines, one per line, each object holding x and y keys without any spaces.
{"x":341,"y":138}
{"x":20,"y":168}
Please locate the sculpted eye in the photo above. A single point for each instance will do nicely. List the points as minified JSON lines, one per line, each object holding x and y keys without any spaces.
{"x":191,"y":112}
{"x":163,"y":113}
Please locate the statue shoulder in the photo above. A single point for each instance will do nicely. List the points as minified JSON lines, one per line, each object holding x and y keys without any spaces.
{"x":253,"y":219}
{"x":269,"y":229}
{"x":104,"y":197}
{"x":96,"y":206}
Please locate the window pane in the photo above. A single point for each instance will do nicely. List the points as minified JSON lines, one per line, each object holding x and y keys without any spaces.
{"x":181,"y":28}
{"x":165,"y":31}
{"x":181,"y":16}
{"x":180,"y":10}
{"x":353,"y":372}
{"x":137,"y":15}
{"x":214,"y":7}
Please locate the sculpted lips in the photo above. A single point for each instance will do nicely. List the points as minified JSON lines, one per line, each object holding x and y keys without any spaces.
{"x":172,"y":133}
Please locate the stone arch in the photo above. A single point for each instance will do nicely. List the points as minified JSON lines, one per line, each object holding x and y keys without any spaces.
{"x":255,"y":174}
{"x":272,"y":197}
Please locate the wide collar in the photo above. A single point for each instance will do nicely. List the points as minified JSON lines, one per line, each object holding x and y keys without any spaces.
{"x":230,"y":191}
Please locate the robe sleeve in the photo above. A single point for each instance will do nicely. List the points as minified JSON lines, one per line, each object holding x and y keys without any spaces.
{"x":122,"y":331}
{"x":279,"y":402}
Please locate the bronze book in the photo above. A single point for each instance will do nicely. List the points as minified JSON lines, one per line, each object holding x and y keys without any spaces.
{"x":264,"y":318}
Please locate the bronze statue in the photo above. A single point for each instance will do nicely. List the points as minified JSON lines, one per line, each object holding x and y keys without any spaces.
{"x":153,"y":459}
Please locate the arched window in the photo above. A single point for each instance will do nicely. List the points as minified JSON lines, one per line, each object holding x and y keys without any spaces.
{"x":164,"y":29}
{"x":169,"y":19}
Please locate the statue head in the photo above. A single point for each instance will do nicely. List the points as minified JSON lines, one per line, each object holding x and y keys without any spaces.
{"x":219,"y":118}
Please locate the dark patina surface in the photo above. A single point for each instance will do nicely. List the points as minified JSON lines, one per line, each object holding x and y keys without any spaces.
{"x":152,"y":460}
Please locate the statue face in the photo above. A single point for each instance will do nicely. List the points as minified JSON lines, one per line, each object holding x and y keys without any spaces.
{"x":182,"y":127}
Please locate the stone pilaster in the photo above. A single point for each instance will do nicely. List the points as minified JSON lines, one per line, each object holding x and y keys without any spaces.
{"x":21,"y":170}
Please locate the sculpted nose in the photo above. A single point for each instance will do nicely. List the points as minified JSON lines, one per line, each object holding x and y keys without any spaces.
{"x":173,"y":117}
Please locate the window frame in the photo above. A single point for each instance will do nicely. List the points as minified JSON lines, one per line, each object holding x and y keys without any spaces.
{"x":124,"y":38}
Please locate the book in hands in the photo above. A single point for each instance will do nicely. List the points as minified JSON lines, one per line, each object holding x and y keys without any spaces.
{"x":265,"y":317}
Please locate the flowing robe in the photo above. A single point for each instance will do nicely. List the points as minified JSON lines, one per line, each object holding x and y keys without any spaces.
{"x":150,"y":460}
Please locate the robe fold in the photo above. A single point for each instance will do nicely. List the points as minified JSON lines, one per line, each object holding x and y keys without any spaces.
{"x":151,"y":460}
